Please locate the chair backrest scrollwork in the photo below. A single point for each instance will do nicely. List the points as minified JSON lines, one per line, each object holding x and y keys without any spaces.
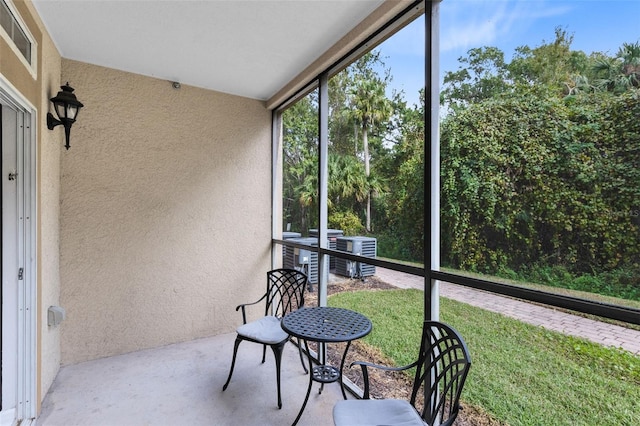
{"x":285,"y":291}
{"x":442,"y":369}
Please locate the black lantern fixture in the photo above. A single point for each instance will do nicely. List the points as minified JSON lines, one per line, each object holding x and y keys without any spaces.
{"x":67,"y":107}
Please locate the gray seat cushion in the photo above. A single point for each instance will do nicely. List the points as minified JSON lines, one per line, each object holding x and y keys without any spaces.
{"x":266,"y":330}
{"x":375,"y":412}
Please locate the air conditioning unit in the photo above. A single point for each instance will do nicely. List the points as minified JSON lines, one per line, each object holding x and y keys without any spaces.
{"x":303,"y":260}
{"x":362,"y":246}
{"x":286,"y":236}
{"x":332,"y":236}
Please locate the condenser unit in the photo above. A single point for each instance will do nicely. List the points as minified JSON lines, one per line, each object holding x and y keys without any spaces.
{"x":287,"y":235}
{"x":362,"y":246}
{"x":332,"y":237}
{"x":303,"y":260}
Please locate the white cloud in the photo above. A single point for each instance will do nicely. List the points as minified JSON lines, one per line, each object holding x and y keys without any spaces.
{"x":472,"y":23}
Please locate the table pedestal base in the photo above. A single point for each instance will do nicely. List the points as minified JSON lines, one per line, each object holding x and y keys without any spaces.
{"x":322,"y":374}
{"x":325,"y":374}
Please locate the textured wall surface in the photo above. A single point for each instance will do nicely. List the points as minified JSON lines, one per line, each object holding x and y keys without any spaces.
{"x":165,"y":212}
{"x":50,"y":150}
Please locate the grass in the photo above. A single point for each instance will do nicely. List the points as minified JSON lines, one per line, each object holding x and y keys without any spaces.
{"x":521,"y":374}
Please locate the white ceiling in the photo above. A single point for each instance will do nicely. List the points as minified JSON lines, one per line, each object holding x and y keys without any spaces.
{"x":250,"y":48}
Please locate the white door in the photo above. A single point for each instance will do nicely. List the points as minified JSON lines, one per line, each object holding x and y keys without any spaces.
{"x":10,"y":267}
{"x":17,"y":350}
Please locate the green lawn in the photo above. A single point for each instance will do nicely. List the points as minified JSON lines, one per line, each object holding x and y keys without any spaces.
{"x":521,"y":374}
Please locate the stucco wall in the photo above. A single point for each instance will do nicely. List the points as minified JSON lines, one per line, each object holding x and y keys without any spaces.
{"x":50,"y":148}
{"x":165,"y":212}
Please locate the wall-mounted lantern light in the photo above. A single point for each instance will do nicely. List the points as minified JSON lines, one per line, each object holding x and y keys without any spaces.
{"x":67,"y":107}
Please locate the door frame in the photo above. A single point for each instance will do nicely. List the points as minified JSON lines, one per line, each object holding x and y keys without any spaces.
{"x":26,"y":410}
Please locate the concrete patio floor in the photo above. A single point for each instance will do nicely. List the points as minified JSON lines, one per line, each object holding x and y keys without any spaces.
{"x":181,"y":384}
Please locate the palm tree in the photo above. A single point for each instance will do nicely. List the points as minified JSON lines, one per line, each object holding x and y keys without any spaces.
{"x":630,"y":54}
{"x":368,"y":106}
{"x":578,"y":83}
{"x":622,"y":72}
{"x":348,"y":186}
{"x":347,"y":180}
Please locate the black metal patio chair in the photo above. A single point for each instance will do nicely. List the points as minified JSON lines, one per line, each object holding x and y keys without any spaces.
{"x":442,"y":367}
{"x":285,"y":293}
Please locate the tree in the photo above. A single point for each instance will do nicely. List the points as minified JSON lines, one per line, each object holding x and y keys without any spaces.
{"x":550,"y":64}
{"x":552,"y":67}
{"x":354,"y":114}
{"x":620,"y":73}
{"x":348,"y":186}
{"x":529,"y":179}
{"x":368,"y":106}
{"x":347,"y":182}
{"x":483,"y":76}
{"x":300,"y":151}
{"x":404,"y":201}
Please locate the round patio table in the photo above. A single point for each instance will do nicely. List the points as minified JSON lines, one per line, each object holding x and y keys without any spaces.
{"x":325,"y":324}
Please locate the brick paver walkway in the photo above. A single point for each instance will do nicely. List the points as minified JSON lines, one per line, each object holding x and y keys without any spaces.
{"x":549,"y":318}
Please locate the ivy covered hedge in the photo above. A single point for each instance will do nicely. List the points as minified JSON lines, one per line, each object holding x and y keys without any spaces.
{"x":530,"y":178}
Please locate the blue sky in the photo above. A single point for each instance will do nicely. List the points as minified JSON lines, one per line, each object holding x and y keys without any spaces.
{"x":596,"y":25}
